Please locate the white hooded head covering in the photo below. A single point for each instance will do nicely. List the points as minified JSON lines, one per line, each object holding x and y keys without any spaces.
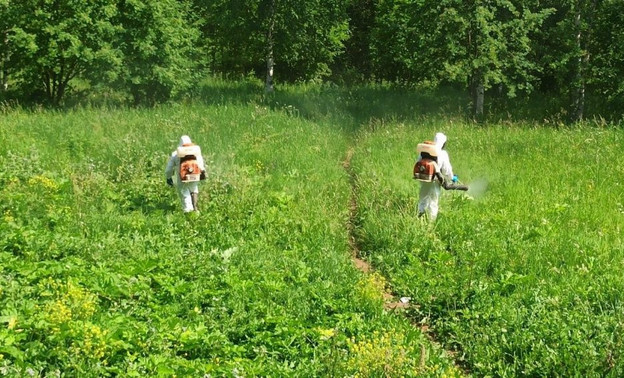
{"x":439,"y":140}
{"x":185,"y":139}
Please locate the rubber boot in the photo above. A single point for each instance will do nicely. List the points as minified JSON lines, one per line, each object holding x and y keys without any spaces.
{"x":194,"y":199}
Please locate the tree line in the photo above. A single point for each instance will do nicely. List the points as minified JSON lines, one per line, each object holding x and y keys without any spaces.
{"x":568,"y":51}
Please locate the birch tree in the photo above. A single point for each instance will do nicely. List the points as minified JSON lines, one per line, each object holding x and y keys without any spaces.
{"x":270,"y":45}
{"x":6,"y":21}
{"x":569,"y":44}
{"x":583,"y":24}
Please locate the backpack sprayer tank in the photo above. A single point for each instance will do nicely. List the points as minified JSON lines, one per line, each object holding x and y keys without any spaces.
{"x":427,"y":170}
{"x":188,"y":150}
{"x":189,"y":169}
{"x":427,"y":147}
{"x":426,"y":167}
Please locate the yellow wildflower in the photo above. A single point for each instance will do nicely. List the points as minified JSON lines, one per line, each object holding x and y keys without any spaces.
{"x":8,"y":216}
{"x":326,"y":334}
{"x":43,"y":181}
{"x":386,"y":354}
{"x":12,"y":322}
{"x":371,"y":287}
{"x":58,"y":313}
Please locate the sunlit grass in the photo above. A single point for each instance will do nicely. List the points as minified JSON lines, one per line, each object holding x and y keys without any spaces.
{"x":102,"y":274}
{"x":524,"y":279}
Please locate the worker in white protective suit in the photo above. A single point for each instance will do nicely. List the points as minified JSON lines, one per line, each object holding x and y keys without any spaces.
{"x":187,"y":165}
{"x":430,"y":191}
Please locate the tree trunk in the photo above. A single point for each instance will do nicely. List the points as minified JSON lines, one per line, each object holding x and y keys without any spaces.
{"x":579,"y":85}
{"x":268,"y":87}
{"x":4,"y":62}
{"x":60,"y":92}
{"x":478,"y":96}
{"x":583,"y":36}
{"x":48,"y":83}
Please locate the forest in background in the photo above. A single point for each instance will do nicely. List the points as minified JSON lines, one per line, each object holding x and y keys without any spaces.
{"x":565,"y":55}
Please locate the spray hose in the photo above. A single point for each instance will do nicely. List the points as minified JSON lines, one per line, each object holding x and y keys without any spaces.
{"x":450,"y":186}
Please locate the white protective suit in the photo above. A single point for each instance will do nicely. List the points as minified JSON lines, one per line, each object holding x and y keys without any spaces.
{"x":184,"y":189}
{"x":430,"y":191}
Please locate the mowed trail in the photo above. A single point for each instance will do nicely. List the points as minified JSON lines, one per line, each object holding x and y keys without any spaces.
{"x":362,"y":265}
{"x":391,"y":302}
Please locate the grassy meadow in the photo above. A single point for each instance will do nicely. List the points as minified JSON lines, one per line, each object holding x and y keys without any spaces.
{"x":102,"y":275}
{"x":524,"y":279}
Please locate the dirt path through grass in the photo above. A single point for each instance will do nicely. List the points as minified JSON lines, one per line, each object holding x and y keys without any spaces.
{"x":390,"y":299}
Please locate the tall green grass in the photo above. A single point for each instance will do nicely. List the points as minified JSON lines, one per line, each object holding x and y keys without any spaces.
{"x":101,"y":273}
{"x":525,"y":280}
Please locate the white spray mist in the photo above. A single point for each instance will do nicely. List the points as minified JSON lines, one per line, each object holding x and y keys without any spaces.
{"x":477,"y":188}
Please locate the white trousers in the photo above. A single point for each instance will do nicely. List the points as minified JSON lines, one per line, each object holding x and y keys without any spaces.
{"x":184,"y":190}
{"x":429,"y":198}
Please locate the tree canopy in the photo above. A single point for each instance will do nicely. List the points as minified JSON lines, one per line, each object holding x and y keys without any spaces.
{"x":151,"y":51}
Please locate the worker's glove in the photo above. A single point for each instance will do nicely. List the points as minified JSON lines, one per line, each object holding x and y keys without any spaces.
{"x":455,"y":179}
{"x":202,"y":175}
{"x":170,"y":181}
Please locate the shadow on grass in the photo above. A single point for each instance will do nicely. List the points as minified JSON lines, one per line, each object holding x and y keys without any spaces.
{"x":357,"y":105}
{"x":365,"y":104}
{"x":362,"y":106}
{"x":147,"y":204}
{"x":376,"y":104}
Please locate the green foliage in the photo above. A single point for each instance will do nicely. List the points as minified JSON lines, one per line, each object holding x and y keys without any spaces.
{"x":144,"y":52}
{"x":356,"y":63}
{"x":578,"y":54}
{"x":142,"y":47}
{"x":54,"y":42}
{"x":157,"y":41}
{"x":607,"y":60}
{"x":306,"y":36}
{"x":467,"y":43}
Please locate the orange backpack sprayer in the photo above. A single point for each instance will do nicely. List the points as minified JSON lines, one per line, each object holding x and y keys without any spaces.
{"x":426,"y":168}
{"x":189,"y":169}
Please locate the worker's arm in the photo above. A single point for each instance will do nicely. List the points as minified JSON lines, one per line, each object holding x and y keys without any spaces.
{"x":171,"y":166}
{"x":446,"y":170}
